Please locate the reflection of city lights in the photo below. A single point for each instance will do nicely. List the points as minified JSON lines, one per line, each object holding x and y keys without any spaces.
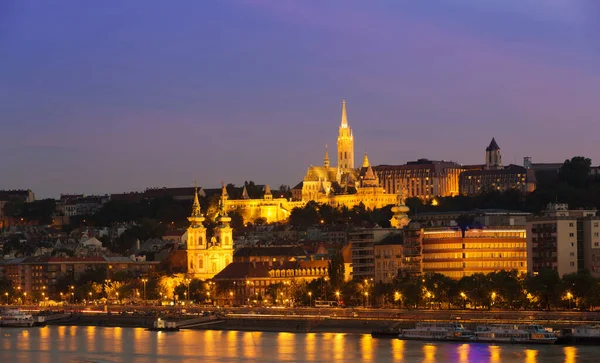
{"x":531,"y":356}
{"x":570,"y":353}
{"x":494,"y":353}
{"x":429,"y":353}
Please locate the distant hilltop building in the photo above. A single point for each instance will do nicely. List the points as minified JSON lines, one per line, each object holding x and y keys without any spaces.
{"x":341,"y":185}
{"x":493,"y":176}
{"x":424,"y":179}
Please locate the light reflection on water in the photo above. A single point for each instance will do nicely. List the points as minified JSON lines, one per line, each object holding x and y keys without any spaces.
{"x":100,"y":344}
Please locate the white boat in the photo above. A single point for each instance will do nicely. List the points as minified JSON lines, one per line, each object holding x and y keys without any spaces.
{"x":163,"y":325}
{"x":437,"y":332}
{"x":516,"y":334}
{"x":15,"y":318}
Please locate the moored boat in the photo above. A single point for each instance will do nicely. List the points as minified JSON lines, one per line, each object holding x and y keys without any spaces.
{"x":385,"y":333}
{"x":16,"y":318}
{"x":580,"y":335}
{"x":514,"y":334}
{"x":437,"y":332}
{"x":163,"y":325}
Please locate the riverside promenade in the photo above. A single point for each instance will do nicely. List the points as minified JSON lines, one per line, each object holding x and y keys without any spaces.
{"x":357,"y":320}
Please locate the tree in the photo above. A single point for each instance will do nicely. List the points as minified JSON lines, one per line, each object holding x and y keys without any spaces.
{"x":576,"y":172}
{"x":507,"y":288}
{"x":237,"y":221}
{"x":545,"y":286}
{"x":477,"y":288}
{"x":14,"y":207}
{"x":465,"y":221}
{"x":337,"y":269}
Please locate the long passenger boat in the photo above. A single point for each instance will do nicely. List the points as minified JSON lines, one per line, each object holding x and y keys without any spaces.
{"x":514,"y":334}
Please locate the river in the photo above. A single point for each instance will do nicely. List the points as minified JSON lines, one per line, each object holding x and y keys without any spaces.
{"x":99,"y":344}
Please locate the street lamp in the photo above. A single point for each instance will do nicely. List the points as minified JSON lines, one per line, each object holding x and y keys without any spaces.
{"x":309,"y":298}
{"x":337,"y":295}
{"x":493,"y":297}
{"x":366,"y":299}
{"x":6,"y":294}
{"x":569,"y":297}
{"x":117,"y":297}
{"x":144,"y":282}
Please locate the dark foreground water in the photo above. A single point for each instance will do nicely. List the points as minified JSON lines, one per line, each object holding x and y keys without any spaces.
{"x":97,"y":344}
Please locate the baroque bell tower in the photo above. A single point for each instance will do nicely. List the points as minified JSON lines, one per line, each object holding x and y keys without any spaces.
{"x":345,"y":142}
{"x":206,"y":259}
{"x":196,"y":240}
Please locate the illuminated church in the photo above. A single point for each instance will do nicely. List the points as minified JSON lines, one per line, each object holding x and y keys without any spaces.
{"x":341,"y":185}
{"x":207,"y":258}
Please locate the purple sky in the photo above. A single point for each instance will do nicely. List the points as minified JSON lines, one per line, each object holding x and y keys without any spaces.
{"x":116,"y":95}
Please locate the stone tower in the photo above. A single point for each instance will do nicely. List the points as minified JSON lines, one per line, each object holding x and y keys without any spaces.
{"x":345,"y":142}
{"x":400,"y":211}
{"x":493,"y":159}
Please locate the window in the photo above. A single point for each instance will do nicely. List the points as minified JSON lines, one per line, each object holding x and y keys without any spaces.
{"x":596,"y":234}
{"x":571,"y":225}
{"x":596,"y":244}
{"x":572,"y":244}
{"x":572,"y":264}
{"x":572,"y":254}
{"x":571,"y":234}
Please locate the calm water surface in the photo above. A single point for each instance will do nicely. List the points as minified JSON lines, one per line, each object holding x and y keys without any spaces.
{"x":98,"y":344}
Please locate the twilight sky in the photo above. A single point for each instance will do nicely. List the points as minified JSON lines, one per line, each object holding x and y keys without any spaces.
{"x":116,"y":95}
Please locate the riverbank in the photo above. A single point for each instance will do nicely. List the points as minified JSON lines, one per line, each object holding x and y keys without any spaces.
{"x":290,"y":323}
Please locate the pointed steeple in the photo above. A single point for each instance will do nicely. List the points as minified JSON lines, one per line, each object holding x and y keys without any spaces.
{"x":196,"y":218}
{"x":224,"y":191}
{"x":326,"y":159}
{"x":245,"y":193}
{"x":196,"y":206}
{"x":366,"y":161}
{"x":268,"y":194}
{"x":344,"y":122}
{"x":493,"y":145}
{"x":369,"y":174}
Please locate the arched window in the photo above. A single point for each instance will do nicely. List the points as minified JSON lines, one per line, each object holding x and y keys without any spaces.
{"x":200,"y":262}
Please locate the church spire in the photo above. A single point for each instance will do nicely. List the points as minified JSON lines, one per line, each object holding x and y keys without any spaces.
{"x":344,"y":122}
{"x":196,"y":205}
{"x":326,"y":159}
{"x":366,"y":161}
{"x":196,"y":218}
{"x":245,"y":193}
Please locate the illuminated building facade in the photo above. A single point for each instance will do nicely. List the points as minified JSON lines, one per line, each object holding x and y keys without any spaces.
{"x":454,"y":254}
{"x":388,"y":258}
{"x":423,"y":178}
{"x":207,"y":258}
{"x":567,"y":241}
